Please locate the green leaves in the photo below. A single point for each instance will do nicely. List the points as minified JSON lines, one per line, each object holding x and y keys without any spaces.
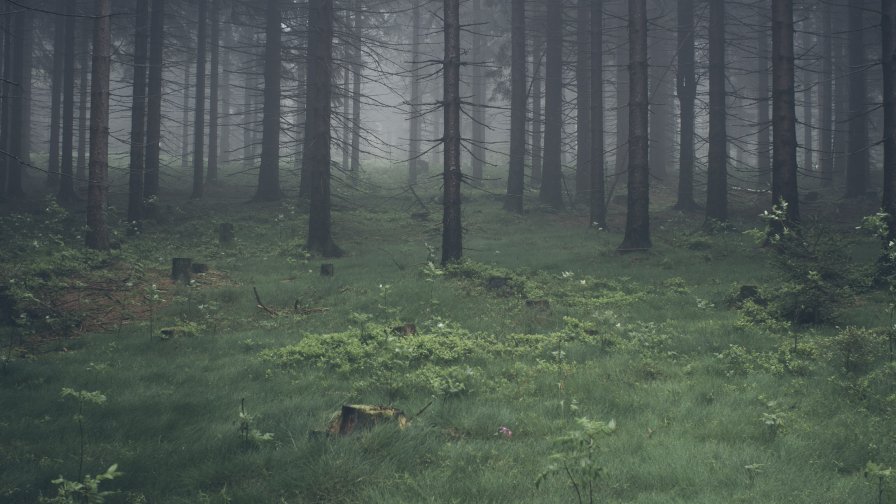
{"x":576,"y":456}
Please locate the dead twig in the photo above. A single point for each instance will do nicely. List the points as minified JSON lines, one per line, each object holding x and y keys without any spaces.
{"x":261,"y":305}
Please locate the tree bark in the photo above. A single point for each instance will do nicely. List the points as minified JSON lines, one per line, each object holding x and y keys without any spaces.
{"x":269,"y":173}
{"x":452,"y":242}
{"x":356,"y":62}
{"x":97,"y":235}
{"x":784,"y":165}
{"x":857,"y":160}
{"x":56,"y":95}
{"x":199,"y":107}
{"x":185,"y":124}
{"x":551,"y":177}
{"x":825,"y":100}
{"x":211,"y":172}
{"x":480,"y":99}
{"x":66,"y":194}
{"x":537,"y":95}
{"x":809,"y":80}
{"x":686,"y":87}
{"x":138,"y":114}
{"x":6,"y":89}
{"x":513,"y":201}
{"x":598,"y":207}
{"x":583,"y":101}
{"x":414,"y":119}
{"x":763,"y":140}
{"x":154,"y":100}
{"x":888,"y":60}
{"x":637,"y":225}
{"x":226,"y":68}
{"x":320,"y":81}
{"x":83,"y":101}
{"x":717,"y":164}
{"x":18,"y":95}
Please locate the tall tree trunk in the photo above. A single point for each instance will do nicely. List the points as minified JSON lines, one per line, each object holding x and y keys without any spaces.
{"x":66,"y":194}
{"x":26,"y":84}
{"x":583,"y":101}
{"x":269,"y":173}
{"x":199,"y":107}
{"x":537,"y":117}
{"x":414,"y":120}
{"x":356,"y":62}
{"x":763,"y":140}
{"x":513,"y":201}
{"x":637,"y":224}
{"x":6,"y":90}
{"x":686,"y":87}
{"x":622,"y":103}
{"x":16,"y":97}
{"x":597,"y":204}
{"x":857,"y":164}
{"x":784,"y":167}
{"x":452,"y":234}
{"x":841,"y":110}
{"x":320,"y":82}
{"x":809,"y":80}
{"x":346,"y":104}
{"x":97,"y":236}
{"x":138,"y":114}
{"x":551,"y":192}
{"x":213,"y":90}
{"x":154,"y":100}
{"x":185,"y":124}
{"x":83,"y":101}
{"x":226,"y":68}
{"x":480,"y":99}
{"x":888,"y":61}
{"x":660,"y":92}
{"x":717,"y":164}
{"x":56,"y":95}
{"x":825,"y":100}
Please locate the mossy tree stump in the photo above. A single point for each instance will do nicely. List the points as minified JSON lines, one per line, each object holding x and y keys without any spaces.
{"x":225,"y":233}
{"x":181,"y":269}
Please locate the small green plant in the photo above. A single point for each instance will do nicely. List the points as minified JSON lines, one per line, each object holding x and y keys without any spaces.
{"x":83,"y":492}
{"x":882,"y":474}
{"x":576,"y":458}
{"x":250,"y":435}
{"x":774,"y":422}
{"x":858,"y":348}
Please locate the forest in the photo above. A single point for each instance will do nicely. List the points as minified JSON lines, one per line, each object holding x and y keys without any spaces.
{"x":448,"y":251}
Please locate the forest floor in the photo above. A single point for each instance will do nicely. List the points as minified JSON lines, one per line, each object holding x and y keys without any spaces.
{"x":543,"y":368}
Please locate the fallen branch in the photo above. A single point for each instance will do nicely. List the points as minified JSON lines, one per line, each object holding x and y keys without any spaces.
{"x":261,"y":305}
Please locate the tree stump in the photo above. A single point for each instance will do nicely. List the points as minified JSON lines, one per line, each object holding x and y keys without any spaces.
{"x":225,"y":233}
{"x":364,"y":416}
{"x":181,"y":268}
{"x":327,"y":269}
{"x":405,"y":330}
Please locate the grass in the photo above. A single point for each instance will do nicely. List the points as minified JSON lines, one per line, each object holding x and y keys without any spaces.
{"x":644,"y":339}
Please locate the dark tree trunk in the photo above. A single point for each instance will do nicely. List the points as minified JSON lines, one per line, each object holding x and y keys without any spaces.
{"x":622,"y":102}
{"x":414,"y":120}
{"x":513,"y":201}
{"x":17,"y":97}
{"x":452,"y":242}
{"x":320,"y":81}
{"x":154,"y":100}
{"x":551,"y":192}
{"x":637,"y":225}
{"x":888,"y":60}
{"x":784,"y":166}
{"x":660,"y":92}
{"x":597,"y":204}
{"x":537,"y":117}
{"x":825,"y":100}
{"x":66,"y":194}
{"x":480,"y":99}
{"x":269,"y":173}
{"x":345,"y":94}
{"x":857,"y":162}
{"x":56,"y":95}
{"x":185,"y":124}
{"x":841,"y":107}
{"x":356,"y":62}
{"x":225,"y":116}
{"x":138,"y":114}
{"x":211,"y":173}
{"x":199,"y":107}
{"x":26,"y":84}
{"x":583,"y":101}
{"x":83,"y":101}
{"x":809,"y":80}
{"x":97,"y":236}
{"x":686,"y":87}
{"x":717,"y":164}
{"x":763,"y":137}
{"x":6,"y":90}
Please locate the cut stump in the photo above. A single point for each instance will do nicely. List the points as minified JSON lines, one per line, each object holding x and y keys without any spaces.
{"x":225,"y":233}
{"x":181,"y":268}
{"x":357,"y":417}
{"x":327,"y":269}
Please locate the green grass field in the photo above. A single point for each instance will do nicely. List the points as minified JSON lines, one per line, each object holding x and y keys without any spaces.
{"x":711,"y":403}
